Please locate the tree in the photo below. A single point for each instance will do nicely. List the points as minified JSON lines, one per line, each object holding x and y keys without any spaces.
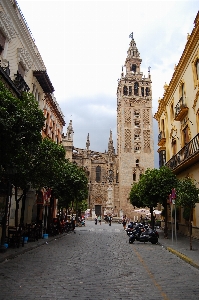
{"x":187,"y":196}
{"x":21,"y":122}
{"x":73,"y":188}
{"x":154,"y":187}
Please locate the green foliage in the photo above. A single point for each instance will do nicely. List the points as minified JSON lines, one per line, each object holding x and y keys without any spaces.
{"x":187,"y":213}
{"x":187,"y":195}
{"x":154,"y":187}
{"x":21,"y":122}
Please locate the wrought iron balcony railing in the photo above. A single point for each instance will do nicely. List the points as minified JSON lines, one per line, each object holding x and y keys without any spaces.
{"x":5,"y":67}
{"x":181,"y":110}
{"x":187,"y":153}
{"x":20,"y":83}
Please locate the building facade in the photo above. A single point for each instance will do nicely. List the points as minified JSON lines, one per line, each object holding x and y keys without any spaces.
{"x":178,"y":120}
{"x":112,"y":175}
{"x":22,"y":69}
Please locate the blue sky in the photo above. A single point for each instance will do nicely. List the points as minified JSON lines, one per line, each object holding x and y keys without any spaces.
{"x":84,"y":45}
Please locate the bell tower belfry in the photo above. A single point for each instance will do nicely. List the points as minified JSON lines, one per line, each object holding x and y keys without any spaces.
{"x":134,"y":124}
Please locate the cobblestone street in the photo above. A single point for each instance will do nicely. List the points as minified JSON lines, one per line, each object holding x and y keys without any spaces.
{"x":98,"y":263}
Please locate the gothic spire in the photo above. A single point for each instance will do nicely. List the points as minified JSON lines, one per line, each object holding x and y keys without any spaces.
{"x":110,"y":144}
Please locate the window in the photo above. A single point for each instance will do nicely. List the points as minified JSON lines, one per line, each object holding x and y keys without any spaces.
{"x":142,"y":91}
{"x":147,"y":91}
{"x":185,"y":135}
{"x":133,"y":66}
{"x":2,"y":42}
{"x":172,"y":112}
{"x":137,"y":148}
{"x":98,"y":174}
{"x":136,"y":114}
{"x":21,"y":70}
{"x":197,"y":69}
{"x":125,"y":90}
{"x":137,"y":162}
{"x":130,"y":90}
{"x":181,"y":93}
{"x":136,"y":137}
{"x":137,"y":123}
{"x":134,"y":176}
{"x":136,"y":87}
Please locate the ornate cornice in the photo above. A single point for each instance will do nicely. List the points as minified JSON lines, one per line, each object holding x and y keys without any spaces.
{"x":24,"y":57}
{"x":7,"y":26}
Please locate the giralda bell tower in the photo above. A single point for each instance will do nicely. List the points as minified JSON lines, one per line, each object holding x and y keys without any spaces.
{"x":134,"y":125}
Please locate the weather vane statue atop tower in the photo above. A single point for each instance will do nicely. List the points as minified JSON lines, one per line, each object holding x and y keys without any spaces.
{"x":131,"y":35}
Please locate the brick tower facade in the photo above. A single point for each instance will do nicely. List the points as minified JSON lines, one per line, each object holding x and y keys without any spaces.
{"x":134,"y":124}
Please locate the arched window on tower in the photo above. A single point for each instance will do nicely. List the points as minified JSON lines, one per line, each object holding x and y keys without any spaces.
{"x":98,"y":174}
{"x":142,"y":91}
{"x":125,"y":90}
{"x":133,"y":68}
{"x":147,"y":91}
{"x":136,"y":87}
{"x":134,"y":176}
{"x":137,"y":162}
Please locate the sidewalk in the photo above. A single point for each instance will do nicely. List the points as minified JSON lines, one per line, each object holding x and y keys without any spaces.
{"x":180,"y":246}
{"x":13,"y":252}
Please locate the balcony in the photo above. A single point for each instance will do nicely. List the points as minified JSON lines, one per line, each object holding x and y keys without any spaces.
{"x":161,"y":139}
{"x":181,"y":110}
{"x":186,"y":157}
{"x":20,"y":83}
{"x":5,"y":75}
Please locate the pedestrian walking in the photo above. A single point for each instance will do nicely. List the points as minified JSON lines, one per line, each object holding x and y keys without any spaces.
{"x":99,"y":219}
{"x":73,"y":224}
{"x":110,"y":220}
{"x":124,"y":222}
{"x":96,"y":220}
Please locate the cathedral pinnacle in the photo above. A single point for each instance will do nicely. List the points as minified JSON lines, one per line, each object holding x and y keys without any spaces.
{"x":110,"y":144}
{"x":87,"y":142}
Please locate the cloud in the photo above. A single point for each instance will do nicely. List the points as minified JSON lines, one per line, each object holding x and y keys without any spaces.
{"x":84,"y":45}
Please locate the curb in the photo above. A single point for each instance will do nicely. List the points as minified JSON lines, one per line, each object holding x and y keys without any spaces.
{"x":183,"y":257}
{"x":24,"y":250}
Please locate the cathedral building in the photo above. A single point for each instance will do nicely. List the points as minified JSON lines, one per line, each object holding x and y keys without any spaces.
{"x":112,"y":175}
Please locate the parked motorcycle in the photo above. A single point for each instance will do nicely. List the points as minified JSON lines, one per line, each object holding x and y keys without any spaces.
{"x":148,"y":235}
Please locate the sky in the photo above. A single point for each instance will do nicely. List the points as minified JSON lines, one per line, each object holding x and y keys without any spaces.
{"x":84,"y":46}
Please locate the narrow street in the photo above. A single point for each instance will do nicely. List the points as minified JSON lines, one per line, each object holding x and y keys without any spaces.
{"x":98,"y":263}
